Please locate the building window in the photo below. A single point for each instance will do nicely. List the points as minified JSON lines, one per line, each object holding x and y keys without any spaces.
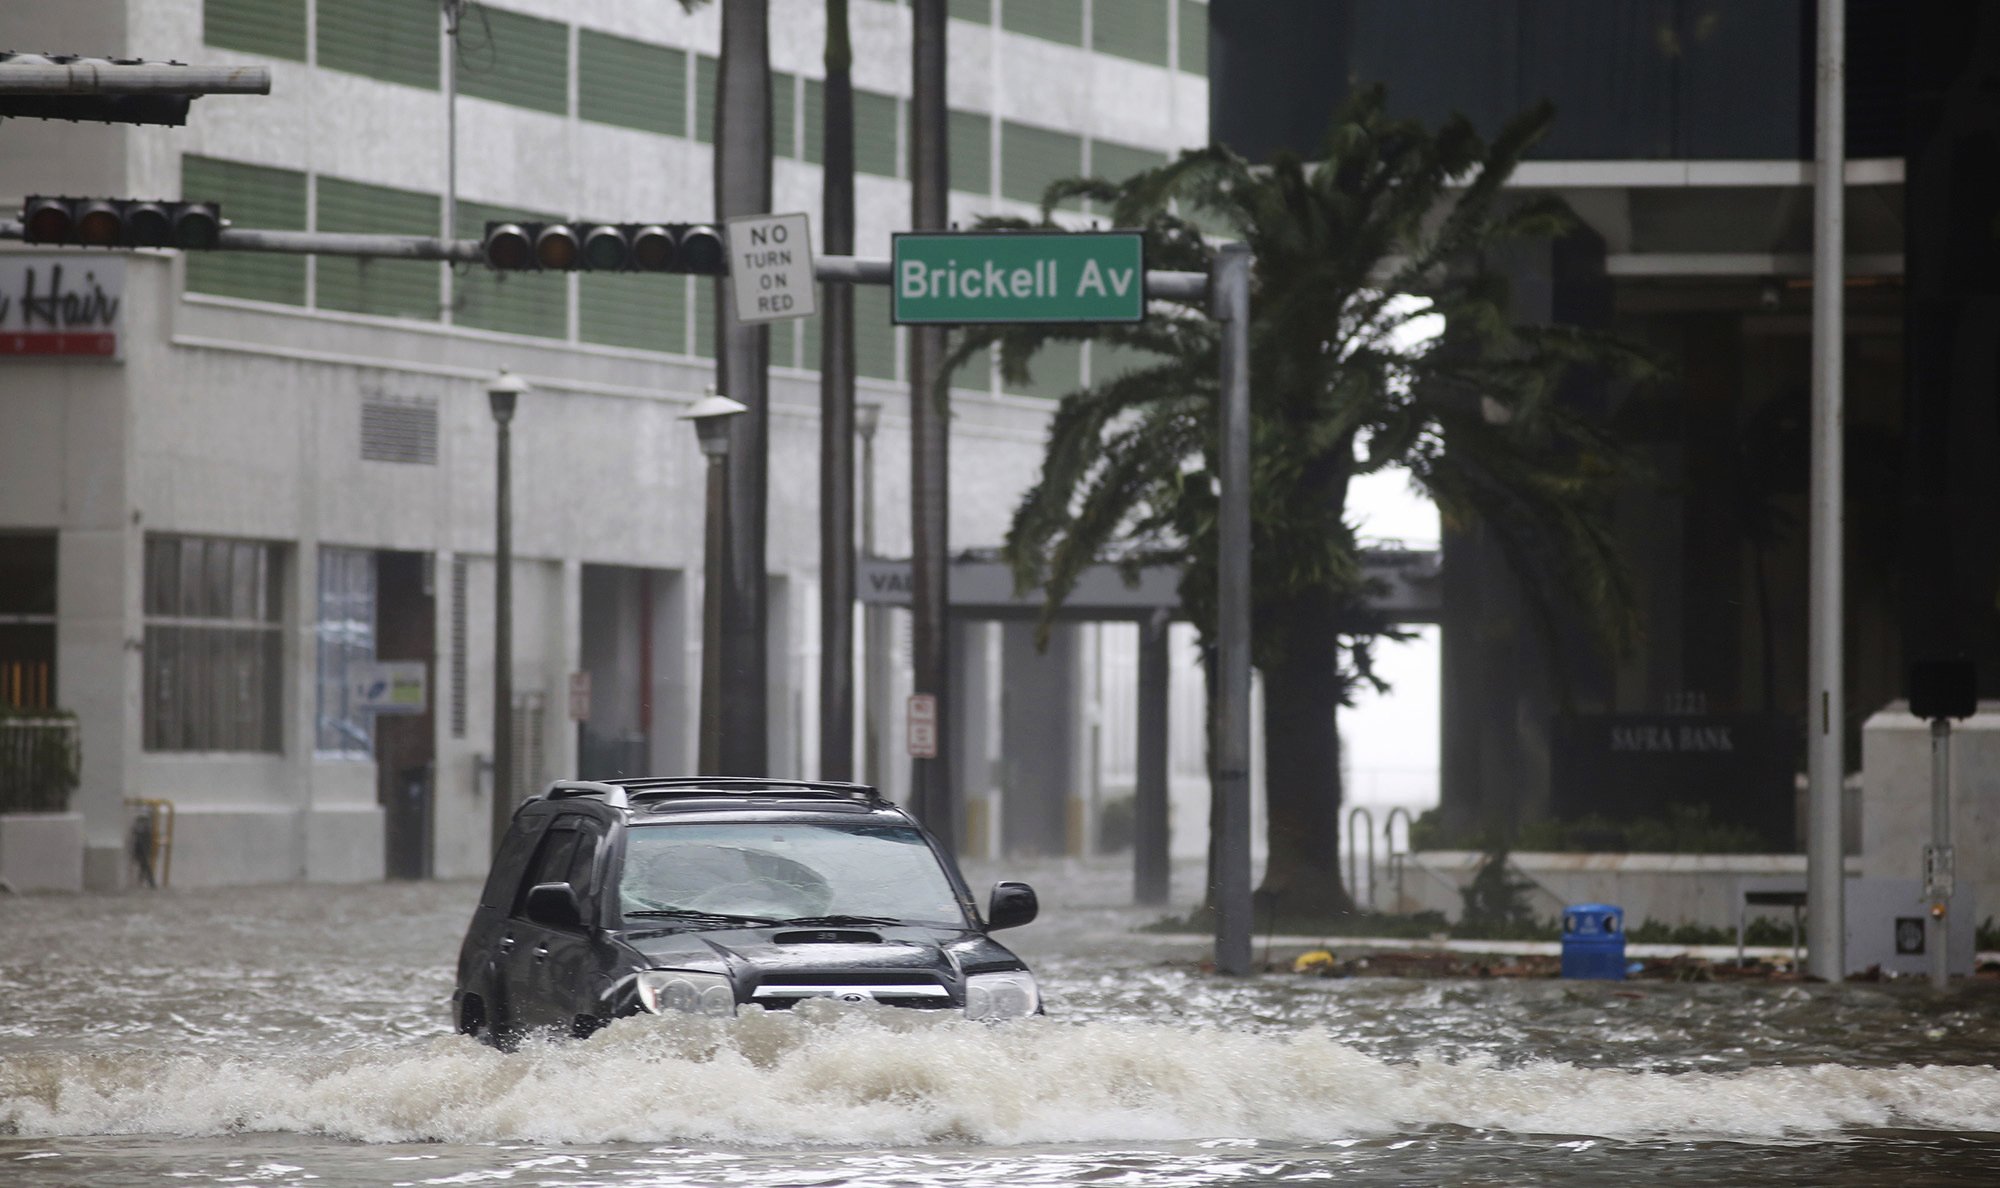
{"x":28,"y":620}
{"x":251,"y":196}
{"x":346,"y":639}
{"x":392,"y":40}
{"x":214,"y":660}
{"x":274,"y":28}
{"x":631,"y":84}
{"x":524,"y":60}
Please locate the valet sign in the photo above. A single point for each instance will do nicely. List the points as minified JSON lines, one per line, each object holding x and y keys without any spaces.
{"x":61,"y":306}
{"x":1018,"y":276}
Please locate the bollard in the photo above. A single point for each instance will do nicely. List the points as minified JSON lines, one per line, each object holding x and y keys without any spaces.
{"x":1593,"y":941}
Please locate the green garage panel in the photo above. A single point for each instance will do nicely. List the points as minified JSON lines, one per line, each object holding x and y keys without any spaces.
{"x":647,"y":311}
{"x":252,"y":196}
{"x":1135,"y":29}
{"x":1115,"y":162}
{"x":969,"y":136}
{"x":526,"y":64}
{"x":874,"y":333}
{"x":707,"y":73}
{"x":1031,"y":158}
{"x":390,"y":288}
{"x":274,"y":28}
{"x":1051,"y":20}
{"x":1055,"y":371}
{"x":704,"y":317}
{"x":396,"y":41}
{"x":1194,"y":36}
{"x":534,"y":303}
{"x":631,"y":84}
{"x":875,"y":125}
{"x":977,"y":12}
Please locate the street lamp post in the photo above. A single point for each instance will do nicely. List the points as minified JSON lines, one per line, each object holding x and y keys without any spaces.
{"x":875,"y":666}
{"x":711,"y":417}
{"x":502,"y":394}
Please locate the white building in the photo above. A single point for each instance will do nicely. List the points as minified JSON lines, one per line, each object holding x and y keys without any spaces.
{"x":286,"y":467}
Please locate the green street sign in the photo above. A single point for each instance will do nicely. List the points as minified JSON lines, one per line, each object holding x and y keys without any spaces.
{"x":952,"y":278}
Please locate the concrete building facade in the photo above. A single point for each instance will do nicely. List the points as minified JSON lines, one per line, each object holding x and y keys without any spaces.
{"x":282,"y":475}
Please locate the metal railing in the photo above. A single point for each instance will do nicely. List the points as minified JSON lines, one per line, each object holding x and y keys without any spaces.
{"x":40,"y":760}
{"x":1355,"y":872}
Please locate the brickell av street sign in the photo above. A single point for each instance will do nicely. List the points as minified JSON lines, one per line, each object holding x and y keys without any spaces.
{"x":950,"y":278}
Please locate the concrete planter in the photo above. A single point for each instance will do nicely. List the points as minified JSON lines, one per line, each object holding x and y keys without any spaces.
{"x":42,"y":851}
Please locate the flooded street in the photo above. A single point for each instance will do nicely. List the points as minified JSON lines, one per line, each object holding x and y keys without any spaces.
{"x":299,"y":1035}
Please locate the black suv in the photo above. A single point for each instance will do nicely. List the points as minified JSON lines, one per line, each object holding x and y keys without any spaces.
{"x":705,"y":894}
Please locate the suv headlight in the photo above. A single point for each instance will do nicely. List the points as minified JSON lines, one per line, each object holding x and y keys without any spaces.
{"x":1008,"y":995}
{"x":663,"y":990}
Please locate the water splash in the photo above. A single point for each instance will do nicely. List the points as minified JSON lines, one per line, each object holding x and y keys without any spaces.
{"x":825,"y":1074}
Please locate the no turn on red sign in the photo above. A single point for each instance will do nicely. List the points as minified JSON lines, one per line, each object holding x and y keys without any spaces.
{"x":771,"y":267}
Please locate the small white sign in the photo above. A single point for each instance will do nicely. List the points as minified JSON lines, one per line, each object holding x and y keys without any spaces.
{"x":62,"y":306}
{"x":922,"y":725}
{"x":388,"y":687}
{"x":771,"y":267}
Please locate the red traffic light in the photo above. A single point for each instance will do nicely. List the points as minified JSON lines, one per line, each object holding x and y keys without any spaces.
{"x":47,"y":220}
{"x":509,"y":246}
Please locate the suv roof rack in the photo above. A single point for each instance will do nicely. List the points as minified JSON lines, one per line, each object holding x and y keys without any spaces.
{"x":667,"y":787}
{"x":612,"y":794}
{"x":621,"y":793}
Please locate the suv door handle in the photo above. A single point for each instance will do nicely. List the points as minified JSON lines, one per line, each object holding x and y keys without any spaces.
{"x":506,"y":944}
{"x":541,"y":952}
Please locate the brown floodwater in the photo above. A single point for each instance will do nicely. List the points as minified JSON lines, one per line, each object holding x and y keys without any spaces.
{"x":300,"y":1035}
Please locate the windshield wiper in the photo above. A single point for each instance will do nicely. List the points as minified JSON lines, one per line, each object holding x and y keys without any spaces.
{"x":839,"y":921}
{"x":715,"y":919}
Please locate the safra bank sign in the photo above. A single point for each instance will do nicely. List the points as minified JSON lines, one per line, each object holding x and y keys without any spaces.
{"x":61,"y":306}
{"x":956,"y":278}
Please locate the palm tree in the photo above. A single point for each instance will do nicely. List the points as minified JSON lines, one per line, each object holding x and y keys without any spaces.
{"x":1389,"y":226}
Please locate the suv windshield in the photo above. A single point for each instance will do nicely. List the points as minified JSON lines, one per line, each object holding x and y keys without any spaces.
{"x":785,"y":871}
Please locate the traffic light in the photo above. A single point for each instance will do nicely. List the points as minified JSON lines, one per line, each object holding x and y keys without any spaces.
{"x":605,"y":247}
{"x":120,"y":222}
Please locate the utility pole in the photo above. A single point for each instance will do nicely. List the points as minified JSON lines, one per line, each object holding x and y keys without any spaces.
{"x":742,"y":187}
{"x":1229,"y":304}
{"x":930,"y":777}
{"x":1826,"y":702}
{"x":836,"y":415}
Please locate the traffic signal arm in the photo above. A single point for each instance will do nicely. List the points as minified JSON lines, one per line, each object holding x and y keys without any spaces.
{"x":97,"y":76}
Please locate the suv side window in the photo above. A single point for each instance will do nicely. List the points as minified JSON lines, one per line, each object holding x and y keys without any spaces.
{"x":503,"y":879}
{"x":568,"y":854}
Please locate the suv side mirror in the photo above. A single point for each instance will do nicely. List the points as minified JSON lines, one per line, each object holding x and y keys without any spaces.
{"x":553,"y":905}
{"x":1012,"y":905}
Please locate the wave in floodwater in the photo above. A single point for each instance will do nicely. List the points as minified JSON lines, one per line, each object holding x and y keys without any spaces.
{"x":876,"y":1076}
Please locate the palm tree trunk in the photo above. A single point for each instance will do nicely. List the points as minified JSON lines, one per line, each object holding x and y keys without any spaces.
{"x":836,"y":404}
{"x":743,"y":186}
{"x":1302,"y":770}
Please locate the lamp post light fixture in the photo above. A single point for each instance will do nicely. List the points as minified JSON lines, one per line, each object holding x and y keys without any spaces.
{"x":503,"y":393}
{"x":710,"y":417}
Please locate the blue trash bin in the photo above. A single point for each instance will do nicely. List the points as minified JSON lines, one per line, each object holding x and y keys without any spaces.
{"x":1593,"y":941}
